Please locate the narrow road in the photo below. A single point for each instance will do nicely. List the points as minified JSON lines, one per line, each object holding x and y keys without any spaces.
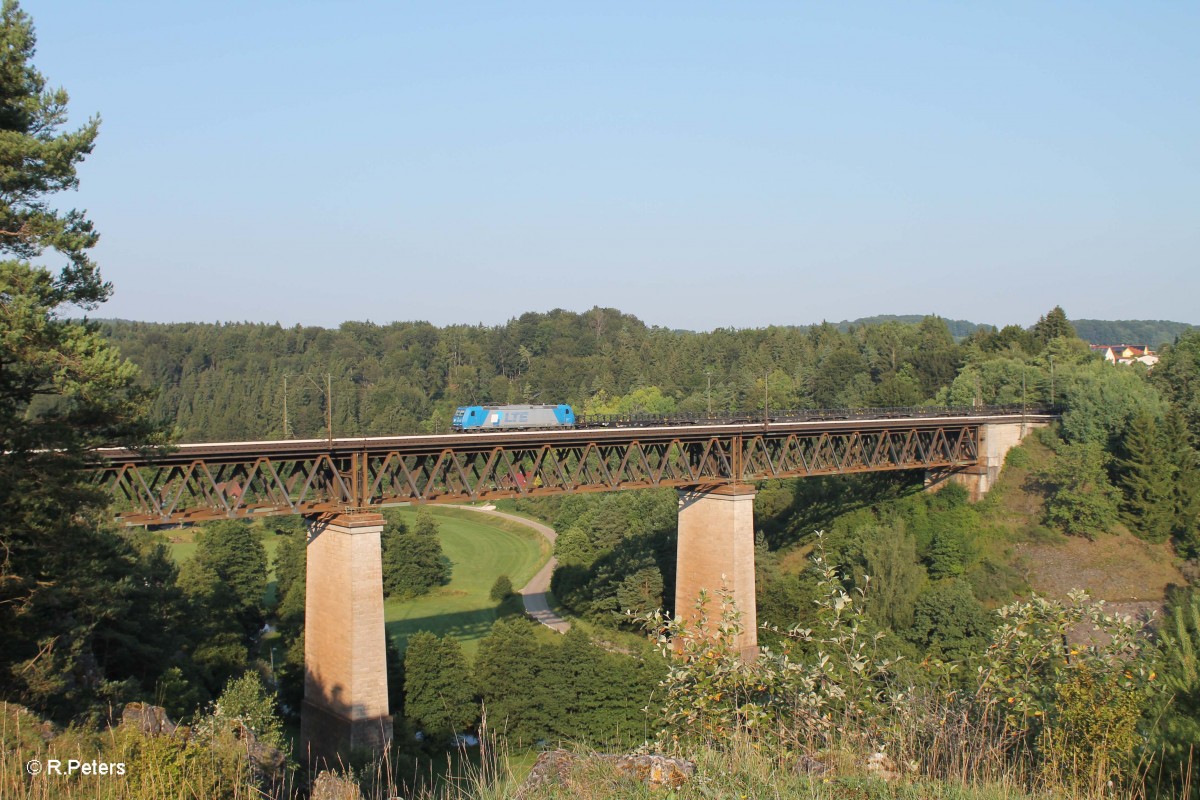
{"x":535,"y":594}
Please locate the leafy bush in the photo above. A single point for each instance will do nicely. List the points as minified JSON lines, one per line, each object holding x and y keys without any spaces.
{"x":1017,"y":457}
{"x":1075,"y":705}
{"x":949,"y":623}
{"x":247,"y":701}
{"x":824,"y":685}
{"x":1082,"y":500}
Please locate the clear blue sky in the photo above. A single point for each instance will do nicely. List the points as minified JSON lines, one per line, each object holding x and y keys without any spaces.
{"x":698,"y":164}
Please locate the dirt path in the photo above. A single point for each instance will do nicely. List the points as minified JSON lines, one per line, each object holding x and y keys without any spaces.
{"x":535,"y":594}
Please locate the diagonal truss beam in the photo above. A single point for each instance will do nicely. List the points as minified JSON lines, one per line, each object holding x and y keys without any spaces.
{"x":251,"y":483}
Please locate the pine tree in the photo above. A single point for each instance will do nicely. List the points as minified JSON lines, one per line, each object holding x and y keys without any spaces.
{"x":1053,"y":325}
{"x":502,"y":589}
{"x":1147,"y":478}
{"x":235,"y":554}
{"x":642,"y":591}
{"x":946,"y":554}
{"x":574,"y":681}
{"x":508,"y":672}
{"x":65,"y":580}
{"x":1177,"y":726}
{"x":426,"y":524}
{"x":1186,"y":485}
{"x":391,"y":543}
{"x":413,"y":562}
{"x":291,"y":564}
{"x":1177,"y":375}
{"x":438,"y":692}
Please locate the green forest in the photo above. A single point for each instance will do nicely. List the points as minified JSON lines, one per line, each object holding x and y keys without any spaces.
{"x":896,"y":621}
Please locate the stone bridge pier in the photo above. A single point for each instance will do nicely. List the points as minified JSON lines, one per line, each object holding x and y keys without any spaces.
{"x":716,"y":553}
{"x":345,"y":647}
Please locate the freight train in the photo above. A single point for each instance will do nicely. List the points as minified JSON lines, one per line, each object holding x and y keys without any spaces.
{"x":527,"y":417}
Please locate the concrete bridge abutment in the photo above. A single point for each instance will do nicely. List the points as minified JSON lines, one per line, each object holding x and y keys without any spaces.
{"x":345,"y":646}
{"x":715,"y":553}
{"x":995,"y":440}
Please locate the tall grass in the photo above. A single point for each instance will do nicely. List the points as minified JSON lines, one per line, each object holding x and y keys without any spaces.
{"x":939,"y":756}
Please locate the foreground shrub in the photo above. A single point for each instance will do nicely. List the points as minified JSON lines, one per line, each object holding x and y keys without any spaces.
{"x":1055,"y":702}
{"x":823,"y":685}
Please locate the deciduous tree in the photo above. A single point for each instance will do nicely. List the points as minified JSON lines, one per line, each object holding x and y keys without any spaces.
{"x":1082,"y":501}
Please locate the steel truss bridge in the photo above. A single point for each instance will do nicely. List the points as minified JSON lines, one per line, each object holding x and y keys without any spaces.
{"x":197,"y":482}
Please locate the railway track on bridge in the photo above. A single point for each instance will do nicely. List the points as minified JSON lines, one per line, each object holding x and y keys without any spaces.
{"x":196,"y":482}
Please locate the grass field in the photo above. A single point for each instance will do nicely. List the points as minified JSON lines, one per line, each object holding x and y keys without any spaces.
{"x":480,"y":549}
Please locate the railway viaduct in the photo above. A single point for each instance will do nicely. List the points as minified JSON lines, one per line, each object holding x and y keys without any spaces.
{"x":339,"y":485}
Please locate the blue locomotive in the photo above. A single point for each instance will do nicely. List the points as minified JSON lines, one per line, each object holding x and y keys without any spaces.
{"x":487,"y":418}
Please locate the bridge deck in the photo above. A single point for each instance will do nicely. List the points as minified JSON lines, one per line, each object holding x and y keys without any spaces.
{"x":219,"y":480}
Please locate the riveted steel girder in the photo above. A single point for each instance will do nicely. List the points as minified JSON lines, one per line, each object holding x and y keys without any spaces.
{"x":251,"y":479}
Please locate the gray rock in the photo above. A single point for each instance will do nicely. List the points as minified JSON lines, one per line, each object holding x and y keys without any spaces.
{"x":552,"y":768}
{"x":811,"y":766}
{"x":148,"y":719}
{"x":264,"y":757}
{"x":331,"y":786}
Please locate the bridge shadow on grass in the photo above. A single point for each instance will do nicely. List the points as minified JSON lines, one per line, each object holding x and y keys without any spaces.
{"x":467,"y":626}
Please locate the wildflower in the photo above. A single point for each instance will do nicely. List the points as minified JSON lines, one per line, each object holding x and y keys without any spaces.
{"x":1152,"y":676}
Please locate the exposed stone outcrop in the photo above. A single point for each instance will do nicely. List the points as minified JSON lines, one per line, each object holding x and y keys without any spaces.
{"x":331,"y":786}
{"x":265,"y":760}
{"x":147,"y":719}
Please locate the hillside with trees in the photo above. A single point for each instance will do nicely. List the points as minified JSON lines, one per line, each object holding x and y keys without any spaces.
{"x":959,"y":328}
{"x":904,"y":657}
{"x":223,"y":382}
{"x":1152,"y":332}
{"x":1119,"y":469}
